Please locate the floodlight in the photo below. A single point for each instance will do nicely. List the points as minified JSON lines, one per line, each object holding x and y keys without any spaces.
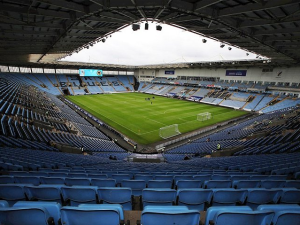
{"x":222,"y":45}
{"x":146,"y":26}
{"x":135,"y":27}
{"x":158,"y":27}
{"x":229,"y":48}
{"x":204,"y":40}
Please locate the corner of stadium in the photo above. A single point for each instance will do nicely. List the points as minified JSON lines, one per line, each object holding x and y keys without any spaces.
{"x":206,"y":142}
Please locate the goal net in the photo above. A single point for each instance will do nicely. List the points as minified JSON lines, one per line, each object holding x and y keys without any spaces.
{"x":169,"y":131}
{"x":204,"y":116}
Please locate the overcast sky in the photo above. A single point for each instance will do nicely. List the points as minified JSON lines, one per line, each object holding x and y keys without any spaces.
{"x":142,"y":47}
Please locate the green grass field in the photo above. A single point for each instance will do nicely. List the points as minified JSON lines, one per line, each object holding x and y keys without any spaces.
{"x":136,"y":118}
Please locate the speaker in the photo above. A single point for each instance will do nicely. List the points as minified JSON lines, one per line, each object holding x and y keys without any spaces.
{"x":146,"y":26}
{"x":135,"y":27}
{"x":158,"y":27}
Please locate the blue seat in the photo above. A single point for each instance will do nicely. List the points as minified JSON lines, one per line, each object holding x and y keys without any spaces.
{"x":27,"y":180}
{"x":52,"y":180}
{"x":194,"y":198}
{"x":292,"y":184}
{"x":116,"y":195}
{"x":77,"y":175}
{"x":89,"y":215}
{"x":58,"y":174}
{"x":164,"y":177}
{"x":287,"y":217}
{"x":7,"y":179}
{"x":188,"y":184}
{"x":169,"y":215}
{"x":77,"y":181}
{"x":76,"y":195}
{"x":97,"y":176}
{"x":103,"y":182}
{"x":120,"y":177}
{"x":290,"y":196}
{"x":158,"y":196}
{"x":217,"y":184}
{"x":239,"y":177}
{"x":160,"y":184}
{"x":279,"y":207}
{"x":53,"y":208}
{"x":228,"y":196}
{"x":145,"y":177}
{"x":245,"y":218}
{"x":220,"y":177}
{"x":182,"y":177}
{"x":12,"y":193}
{"x":3,"y":204}
{"x":44,"y":193}
{"x":238,"y":184}
{"x":261,"y":196}
{"x":272,"y":183}
{"x":212,"y":211}
{"x":25,"y":216}
{"x":117,"y":207}
{"x":136,"y":186}
{"x":203,"y":178}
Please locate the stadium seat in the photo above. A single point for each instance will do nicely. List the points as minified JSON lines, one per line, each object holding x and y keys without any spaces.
{"x":202,"y":178}
{"x":77,"y":181}
{"x":76,"y":195}
{"x":7,"y":179}
{"x":53,"y":208}
{"x":91,"y":215}
{"x":212,"y":211}
{"x":145,"y":177}
{"x":287,"y":217}
{"x":260,"y":196}
{"x":169,"y":215}
{"x":194,"y":198}
{"x":159,"y":184}
{"x":217,"y":184}
{"x":238,"y":184}
{"x":279,"y":207}
{"x":272,"y":184}
{"x":180,"y":184}
{"x":103,"y":182}
{"x":229,"y":197}
{"x":290,"y":196}
{"x":182,"y":177}
{"x":12,"y":193}
{"x":245,"y":218}
{"x":44,"y":193}
{"x":118,"y":207}
{"x":115,"y":195}
{"x":27,"y":180}
{"x":158,"y":196}
{"x":3,"y":204}
{"x":136,"y":186}
{"x":292,"y":184}
{"x":25,"y":216}
{"x":120,"y":177}
{"x":52,"y":180}
{"x":164,"y":177}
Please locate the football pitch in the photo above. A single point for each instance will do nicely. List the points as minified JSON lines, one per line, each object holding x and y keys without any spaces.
{"x":140,"y":120}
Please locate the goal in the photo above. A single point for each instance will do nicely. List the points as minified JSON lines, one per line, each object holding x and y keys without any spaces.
{"x":204,"y":116}
{"x":169,"y":131}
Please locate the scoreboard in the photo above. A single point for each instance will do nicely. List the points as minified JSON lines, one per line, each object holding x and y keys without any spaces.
{"x":90,"y":73}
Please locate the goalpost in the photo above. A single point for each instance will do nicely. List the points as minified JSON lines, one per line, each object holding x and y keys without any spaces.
{"x":169,"y":131}
{"x":204,"y":116}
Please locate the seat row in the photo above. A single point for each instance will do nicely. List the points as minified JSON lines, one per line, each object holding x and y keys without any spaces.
{"x":49,"y":213}
{"x":193,"y":198}
{"x":161,"y":181}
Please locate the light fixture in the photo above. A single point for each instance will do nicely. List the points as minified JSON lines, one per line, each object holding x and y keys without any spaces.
{"x":247,"y":54}
{"x":146,"y":26}
{"x":158,"y":27}
{"x":222,"y":45}
{"x":135,"y":27}
{"x":229,"y":48}
{"x":103,"y":40}
{"x":204,"y":40}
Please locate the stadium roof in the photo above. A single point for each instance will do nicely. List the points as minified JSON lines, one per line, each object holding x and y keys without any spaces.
{"x":42,"y":31}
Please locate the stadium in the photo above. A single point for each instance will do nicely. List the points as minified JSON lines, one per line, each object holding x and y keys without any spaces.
{"x":206,"y":142}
